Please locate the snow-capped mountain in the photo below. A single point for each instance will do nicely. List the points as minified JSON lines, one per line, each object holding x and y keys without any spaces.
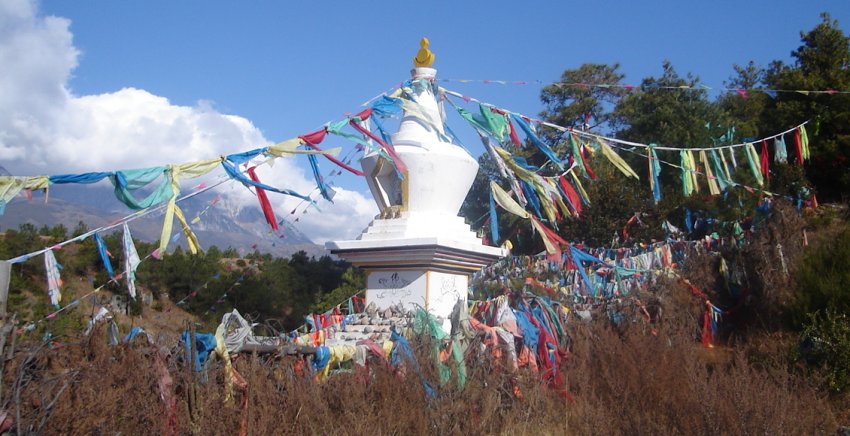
{"x":216,"y":222}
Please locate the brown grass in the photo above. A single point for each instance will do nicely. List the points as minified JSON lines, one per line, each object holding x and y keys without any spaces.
{"x":621,"y":382}
{"x":639,"y":384}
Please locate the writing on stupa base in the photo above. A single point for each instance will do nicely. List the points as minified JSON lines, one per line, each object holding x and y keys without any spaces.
{"x":435,"y":291}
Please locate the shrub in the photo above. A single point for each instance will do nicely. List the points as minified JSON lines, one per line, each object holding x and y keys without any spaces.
{"x":827,"y":343}
{"x":823,"y":280}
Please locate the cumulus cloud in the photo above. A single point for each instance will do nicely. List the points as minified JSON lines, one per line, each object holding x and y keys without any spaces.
{"x":46,"y":129}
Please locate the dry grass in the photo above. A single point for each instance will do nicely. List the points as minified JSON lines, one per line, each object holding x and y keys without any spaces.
{"x":633,"y":383}
{"x":621,"y":382}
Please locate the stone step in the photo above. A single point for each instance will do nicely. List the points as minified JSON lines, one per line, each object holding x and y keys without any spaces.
{"x":353,"y":337}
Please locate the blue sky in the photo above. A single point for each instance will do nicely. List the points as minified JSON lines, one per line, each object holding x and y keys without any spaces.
{"x":257,"y":71}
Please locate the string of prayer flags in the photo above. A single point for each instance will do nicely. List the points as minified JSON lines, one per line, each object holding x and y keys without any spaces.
{"x":726,"y":137}
{"x":161,"y":184}
{"x":54,"y":280}
{"x":214,"y":201}
{"x":654,"y":171}
{"x":719,"y":167}
{"x":104,"y":255}
{"x":743,"y":92}
{"x":131,"y":261}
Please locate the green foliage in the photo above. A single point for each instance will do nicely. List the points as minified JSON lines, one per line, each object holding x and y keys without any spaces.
{"x":353,"y":281}
{"x":80,"y":229}
{"x":745,"y":113}
{"x":264,"y":288}
{"x":614,"y":199}
{"x":660,"y":116}
{"x":828,"y":333}
{"x":822,"y":62}
{"x":574,"y":99}
{"x":789,"y":179}
{"x":657,"y":113}
{"x":823,"y":279}
{"x":476,"y":210}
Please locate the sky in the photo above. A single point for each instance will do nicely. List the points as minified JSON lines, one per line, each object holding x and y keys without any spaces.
{"x":103,"y":85}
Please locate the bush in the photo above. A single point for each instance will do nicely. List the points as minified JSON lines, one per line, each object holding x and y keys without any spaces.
{"x":827,"y":344}
{"x":823,"y":280}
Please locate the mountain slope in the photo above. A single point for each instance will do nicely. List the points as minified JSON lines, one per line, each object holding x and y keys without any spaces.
{"x":221,"y":224}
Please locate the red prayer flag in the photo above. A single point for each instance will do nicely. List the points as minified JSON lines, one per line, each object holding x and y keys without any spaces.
{"x":575,"y":201}
{"x":798,"y":146}
{"x":389,"y":148}
{"x":266,"y":207}
{"x":765,"y":160}
{"x":315,"y":138}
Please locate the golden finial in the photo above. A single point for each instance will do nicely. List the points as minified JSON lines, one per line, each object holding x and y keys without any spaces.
{"x":424,"y":57}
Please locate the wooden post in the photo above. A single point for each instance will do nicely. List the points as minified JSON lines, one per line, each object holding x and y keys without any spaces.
{"x":5,"y":277}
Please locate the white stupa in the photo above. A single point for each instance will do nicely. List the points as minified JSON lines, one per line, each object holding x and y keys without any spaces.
{"x":419,"y":252}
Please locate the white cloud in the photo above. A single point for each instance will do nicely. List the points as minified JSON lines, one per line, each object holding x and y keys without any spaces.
{"x":45,"y":129}
{"x":352,"y":211}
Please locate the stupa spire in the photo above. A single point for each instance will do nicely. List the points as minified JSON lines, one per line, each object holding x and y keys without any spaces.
{"x":424,"y":57}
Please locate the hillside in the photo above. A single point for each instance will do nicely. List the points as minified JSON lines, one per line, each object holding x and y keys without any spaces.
{"x":222,"y":225}
{"x":649,"y":374}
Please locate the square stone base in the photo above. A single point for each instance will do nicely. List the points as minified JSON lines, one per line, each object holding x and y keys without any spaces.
{"x":435,"y":291}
